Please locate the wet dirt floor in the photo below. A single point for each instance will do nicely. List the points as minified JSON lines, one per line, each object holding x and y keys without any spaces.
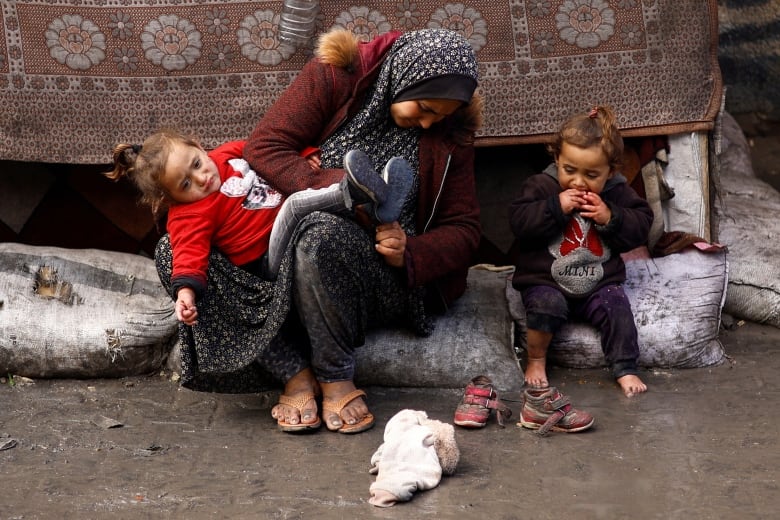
{"x":702,"y":443}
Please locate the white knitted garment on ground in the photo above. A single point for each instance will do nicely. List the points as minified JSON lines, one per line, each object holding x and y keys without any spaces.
{"x":406,"y":462}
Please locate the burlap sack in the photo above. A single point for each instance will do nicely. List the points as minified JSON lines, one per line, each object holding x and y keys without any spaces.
{"x":749,"y":226}
{"x":676,"y":300}
{"x":474,"y":337}
{"x":81,"y":313}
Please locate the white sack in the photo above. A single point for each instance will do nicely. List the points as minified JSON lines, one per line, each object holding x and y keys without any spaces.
{"x":474,"y":337}
{"x":676,"y":300}
{"x":81,"y":313}
{"x":749,"y":226}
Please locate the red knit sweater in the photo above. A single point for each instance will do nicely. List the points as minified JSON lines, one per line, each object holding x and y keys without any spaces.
{"x":217,"y":221}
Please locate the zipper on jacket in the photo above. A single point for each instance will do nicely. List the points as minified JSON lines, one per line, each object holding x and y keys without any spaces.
{"x":442,"y":300}
{"x":438,"y":195}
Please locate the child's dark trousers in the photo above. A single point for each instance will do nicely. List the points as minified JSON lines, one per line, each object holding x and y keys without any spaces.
{"x":607,"y":309}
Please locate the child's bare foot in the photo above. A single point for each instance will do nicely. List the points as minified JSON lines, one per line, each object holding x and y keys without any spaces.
{"x":536,"y":373}
{"x":631,"y":385}
{"x":344,"y":409}
{"x":297,"y":408}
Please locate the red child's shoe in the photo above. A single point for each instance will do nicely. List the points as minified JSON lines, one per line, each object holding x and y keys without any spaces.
{"x":547,"y":409}
{"x":478,"y":399}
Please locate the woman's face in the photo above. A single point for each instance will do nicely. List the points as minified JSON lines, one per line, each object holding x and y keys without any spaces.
{"x":422,"y":113}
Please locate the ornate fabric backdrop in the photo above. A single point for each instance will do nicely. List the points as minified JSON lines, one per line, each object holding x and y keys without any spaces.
{"x":78,"y":76}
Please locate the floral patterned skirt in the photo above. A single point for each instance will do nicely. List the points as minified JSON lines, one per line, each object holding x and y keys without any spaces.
{"x":248,"y":331}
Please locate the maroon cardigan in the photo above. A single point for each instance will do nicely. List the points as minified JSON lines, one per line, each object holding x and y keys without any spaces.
{"x":321,"y":98}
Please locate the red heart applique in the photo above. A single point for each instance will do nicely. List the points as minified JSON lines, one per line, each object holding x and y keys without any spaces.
{"x":574,"y":238}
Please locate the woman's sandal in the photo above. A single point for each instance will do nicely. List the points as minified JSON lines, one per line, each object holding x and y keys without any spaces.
{"x":479,"y":398}
{"x":336,"y":407}
{"x":298,"y":402}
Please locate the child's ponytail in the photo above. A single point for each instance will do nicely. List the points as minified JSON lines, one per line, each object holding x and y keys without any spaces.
{"x":597,"y":127}
{"x":124,"y":158}
{"x":144,"y":165}
{"x":611,"y":140}
{"x":606,"y":117}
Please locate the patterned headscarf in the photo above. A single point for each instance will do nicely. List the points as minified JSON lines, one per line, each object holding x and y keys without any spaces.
{"x":414,"y":58}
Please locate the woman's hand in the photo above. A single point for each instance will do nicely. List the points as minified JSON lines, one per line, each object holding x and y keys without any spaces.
{"x":186,"y":312}
{"x":391,"y":243}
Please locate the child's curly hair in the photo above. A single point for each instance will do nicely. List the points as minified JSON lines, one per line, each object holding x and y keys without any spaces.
{"x":598,"y":127}
{"x":145,"y":164}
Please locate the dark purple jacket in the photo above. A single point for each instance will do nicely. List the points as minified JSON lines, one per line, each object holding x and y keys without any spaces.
{"x":537,"y":221}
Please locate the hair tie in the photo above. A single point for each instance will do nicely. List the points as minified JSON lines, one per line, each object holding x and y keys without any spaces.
{"x":136,"y":148}
{"x":594,"y":112}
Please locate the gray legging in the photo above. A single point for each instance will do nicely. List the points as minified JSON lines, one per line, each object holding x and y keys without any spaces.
{"x":341,"y":288}
{"x":332,"y":199}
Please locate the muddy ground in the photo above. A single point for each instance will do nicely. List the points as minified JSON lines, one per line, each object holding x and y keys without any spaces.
{"x":702,"y":443}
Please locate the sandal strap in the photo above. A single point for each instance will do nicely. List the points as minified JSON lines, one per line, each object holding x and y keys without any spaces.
{"x":477,"y":391}
{"x":339,"y":405}
{"x":551,"y":421}
{"x":494,"y":404}
{"x":298,"y":400}
{"x":559,"y":402}
{"x":502,"y":410}
{"x":561,"y":406}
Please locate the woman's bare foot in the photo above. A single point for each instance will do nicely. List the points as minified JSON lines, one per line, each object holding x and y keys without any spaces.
{"x":301,"y":384}
{"x":536,"y":373}
{"x":631,"y":385}
{"x":353,"y":412}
